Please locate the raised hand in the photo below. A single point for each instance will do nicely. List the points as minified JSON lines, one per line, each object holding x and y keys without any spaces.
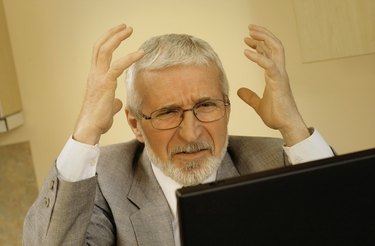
{"x":100,"y":105}
{"x":276,"y":107}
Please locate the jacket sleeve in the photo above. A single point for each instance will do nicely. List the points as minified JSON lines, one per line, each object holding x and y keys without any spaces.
{"x":62,"y":212}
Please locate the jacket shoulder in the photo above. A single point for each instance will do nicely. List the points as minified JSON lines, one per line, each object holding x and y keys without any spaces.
{"x":254,"y":154}
{"x":117,"y":162}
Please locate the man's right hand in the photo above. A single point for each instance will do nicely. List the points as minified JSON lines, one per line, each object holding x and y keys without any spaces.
{"x":100,"y":105}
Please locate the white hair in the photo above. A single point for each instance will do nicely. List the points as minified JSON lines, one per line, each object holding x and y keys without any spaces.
{"x":170,"y":50}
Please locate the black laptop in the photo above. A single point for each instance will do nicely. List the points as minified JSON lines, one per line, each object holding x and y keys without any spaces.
{"x":325,"y":202}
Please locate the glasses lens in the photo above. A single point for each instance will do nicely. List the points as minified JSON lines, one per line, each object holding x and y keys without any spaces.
{"x":209,"y":111}
{"x":166,"y":118}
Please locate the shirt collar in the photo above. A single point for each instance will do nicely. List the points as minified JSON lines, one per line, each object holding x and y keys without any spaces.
{"x":169,"y":187}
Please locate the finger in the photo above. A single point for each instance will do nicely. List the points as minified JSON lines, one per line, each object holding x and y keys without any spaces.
{"x":269,"y":39}
{"x":259,"y":46}
{"x":259,"y":59}
{"x":105,"y":50}
{"x":249,"y":97}
{"x":117,"y":105}
{"x":252,"y":43}
{"x":104,"y":39}
{"x":271,"y":68}
{"x":119,"y":66}
{"x":260,"y":29}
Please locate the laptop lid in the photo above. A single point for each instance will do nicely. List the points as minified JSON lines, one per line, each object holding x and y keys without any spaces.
{"x":324,"y":202}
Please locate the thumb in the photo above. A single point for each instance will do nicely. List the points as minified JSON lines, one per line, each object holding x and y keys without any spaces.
{"x":249,"y":97}
{"x":117,"y":105}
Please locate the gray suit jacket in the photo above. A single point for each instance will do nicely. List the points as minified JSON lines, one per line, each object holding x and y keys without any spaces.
{"x":124,"y":204}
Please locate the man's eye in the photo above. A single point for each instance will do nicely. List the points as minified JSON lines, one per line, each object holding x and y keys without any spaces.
{"x":206,"y":105}
{"x":164,"y":114}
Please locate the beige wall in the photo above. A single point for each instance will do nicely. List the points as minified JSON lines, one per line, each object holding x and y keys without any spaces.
{"x":10,"y":100}
{"x":52,"y":43}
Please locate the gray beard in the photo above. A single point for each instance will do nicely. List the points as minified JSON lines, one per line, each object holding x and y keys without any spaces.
{"x":193,"y":172}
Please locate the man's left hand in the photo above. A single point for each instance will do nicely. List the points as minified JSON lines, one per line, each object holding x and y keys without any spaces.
{"x":277,"y":107}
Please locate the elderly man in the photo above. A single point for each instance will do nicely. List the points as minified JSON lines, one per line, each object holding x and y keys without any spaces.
{"x":178,"y":108}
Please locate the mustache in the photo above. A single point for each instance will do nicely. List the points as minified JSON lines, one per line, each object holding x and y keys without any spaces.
{"x":191,"y":148}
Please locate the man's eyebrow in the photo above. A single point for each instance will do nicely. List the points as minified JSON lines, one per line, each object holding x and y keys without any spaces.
{"x":170,"y":106}
{"x":203,"y":99}
{"x":176,"y":106}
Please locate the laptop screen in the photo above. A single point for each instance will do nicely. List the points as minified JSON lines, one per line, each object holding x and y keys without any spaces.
{"x":325,"y":202}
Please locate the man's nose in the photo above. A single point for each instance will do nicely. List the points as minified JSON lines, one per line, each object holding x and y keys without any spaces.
{"x":190,"y":128}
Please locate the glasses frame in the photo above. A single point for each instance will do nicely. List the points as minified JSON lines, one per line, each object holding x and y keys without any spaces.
{"x":182,"y":111}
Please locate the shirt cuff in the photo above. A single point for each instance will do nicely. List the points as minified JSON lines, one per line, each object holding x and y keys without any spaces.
{"x":77,"y":161}
{"x":310,"y":149}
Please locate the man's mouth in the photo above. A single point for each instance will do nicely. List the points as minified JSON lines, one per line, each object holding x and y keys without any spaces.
{"x":193,"y":151}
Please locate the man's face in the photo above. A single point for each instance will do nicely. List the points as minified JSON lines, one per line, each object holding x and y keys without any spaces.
{"x":192,"y":151}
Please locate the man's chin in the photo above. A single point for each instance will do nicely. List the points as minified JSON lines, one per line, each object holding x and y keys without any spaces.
{"x":188,"y":163}
{"x":193,"y":172}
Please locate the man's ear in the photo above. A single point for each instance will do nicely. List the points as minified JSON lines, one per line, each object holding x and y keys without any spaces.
{"x":134,"y":125}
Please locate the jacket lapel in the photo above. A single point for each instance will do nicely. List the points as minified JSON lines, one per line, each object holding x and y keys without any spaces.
{"x":227,"y":169}
{"x":152,"y":223}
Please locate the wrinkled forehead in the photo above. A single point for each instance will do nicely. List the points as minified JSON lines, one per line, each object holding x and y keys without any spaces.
{"x":181,"y":84}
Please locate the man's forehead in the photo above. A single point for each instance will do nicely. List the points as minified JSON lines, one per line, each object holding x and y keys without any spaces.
{"x":188,"y":73}
{"x":188,"y":99}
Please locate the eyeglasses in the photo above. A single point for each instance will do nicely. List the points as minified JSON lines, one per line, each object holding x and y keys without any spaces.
{"x":171,"y":117}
